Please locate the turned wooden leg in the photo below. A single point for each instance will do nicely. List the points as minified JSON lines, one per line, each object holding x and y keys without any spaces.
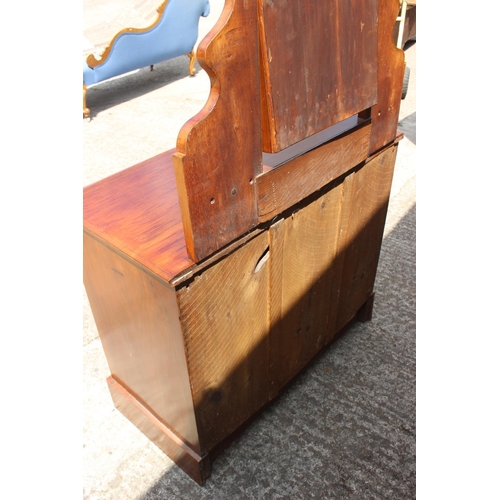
{"x":192,"y":59}
{"x":86,"y":111}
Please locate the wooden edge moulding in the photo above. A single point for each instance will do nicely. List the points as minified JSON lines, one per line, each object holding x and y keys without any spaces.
{"x":214,"y":276}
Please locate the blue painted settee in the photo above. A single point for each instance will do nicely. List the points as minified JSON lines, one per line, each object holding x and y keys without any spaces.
{"x":174,"y":33}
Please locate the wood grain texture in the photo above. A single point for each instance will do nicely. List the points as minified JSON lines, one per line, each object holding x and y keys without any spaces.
{"x":319,"y":65}
{"x":224,"y":319}
{"x":138,"y":322}
{"x":341,"y":255}
{"x":275,"y":308}
{"x":199,"y":468}
{"x":284,"y":186}
{"x":307,"y":261}
{"x":137,"y":212}
{"x":219,"y":150}
{"x":364,"y":224}
{"x":385,"y":113}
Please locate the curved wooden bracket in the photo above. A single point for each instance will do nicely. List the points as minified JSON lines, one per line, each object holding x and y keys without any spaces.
{"x":93,"y":61}
{"x":219,"y":150}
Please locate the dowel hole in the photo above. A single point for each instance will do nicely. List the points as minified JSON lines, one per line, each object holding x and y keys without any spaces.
{"x":212,"y":201}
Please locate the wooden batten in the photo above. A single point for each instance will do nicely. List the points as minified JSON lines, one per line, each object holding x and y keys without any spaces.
{"x":280,"y":188}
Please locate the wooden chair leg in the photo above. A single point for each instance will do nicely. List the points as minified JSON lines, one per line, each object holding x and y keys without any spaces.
{"x":86,"y":111}
{"x":192,"y":60}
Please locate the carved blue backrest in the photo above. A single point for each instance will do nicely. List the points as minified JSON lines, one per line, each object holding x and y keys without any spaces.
{"x":173,"y":36}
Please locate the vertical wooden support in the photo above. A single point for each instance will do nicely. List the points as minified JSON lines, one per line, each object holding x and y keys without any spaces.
{"x":275,"y":307}
{"x":391,"y":70}
{"x":219,"y":150}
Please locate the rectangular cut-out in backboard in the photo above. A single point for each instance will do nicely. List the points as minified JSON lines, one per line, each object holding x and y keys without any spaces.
{"x":271,"y":160}
{"x":319,"y":65}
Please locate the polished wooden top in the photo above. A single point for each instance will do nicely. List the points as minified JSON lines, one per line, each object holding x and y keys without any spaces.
{"x":137,"y":212}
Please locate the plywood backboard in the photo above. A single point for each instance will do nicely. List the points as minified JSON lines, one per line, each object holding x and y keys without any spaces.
{"x":318,"y":65}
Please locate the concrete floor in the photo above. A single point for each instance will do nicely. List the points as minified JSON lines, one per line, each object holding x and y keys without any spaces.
{"x":346,"y":428}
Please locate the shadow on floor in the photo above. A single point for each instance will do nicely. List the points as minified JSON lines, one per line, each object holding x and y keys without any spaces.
{"x":346,"y":428}
{"x":120,"y":90}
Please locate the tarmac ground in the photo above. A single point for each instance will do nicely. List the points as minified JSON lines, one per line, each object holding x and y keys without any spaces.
{"x":347,"y":427}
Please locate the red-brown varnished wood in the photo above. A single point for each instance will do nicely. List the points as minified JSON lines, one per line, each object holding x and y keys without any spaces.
{"x":198,"y":467}
{"x":319,"y":65}
{"x":138,"y":322}
{"x":280,"y":188}
{"x":219,"y":151}
{"x":137,"y":212}
{"x":385,"y":113}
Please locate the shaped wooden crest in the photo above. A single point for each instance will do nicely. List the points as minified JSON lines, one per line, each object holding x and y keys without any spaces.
{"x":219,"y":150}
{"x":282,"y":72}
